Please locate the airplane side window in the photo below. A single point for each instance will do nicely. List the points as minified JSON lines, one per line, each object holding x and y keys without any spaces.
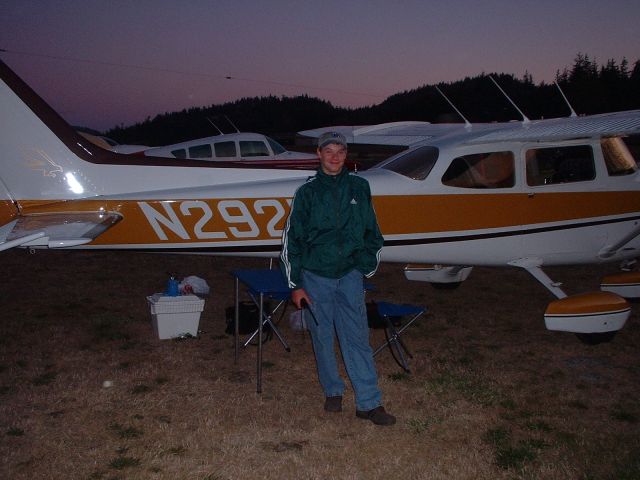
{"x":225,"y":149}
{"x":416,"y":164}
{"x":200,"y":151}
{"x":253,"y":149}
{"x":617,"y":157}
{"x":180,"y":153}
{"x":548,"y":166}
{"x":481,"y":170}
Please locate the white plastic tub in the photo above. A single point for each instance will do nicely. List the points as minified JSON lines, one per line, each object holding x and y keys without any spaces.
{"x":175,"y":316}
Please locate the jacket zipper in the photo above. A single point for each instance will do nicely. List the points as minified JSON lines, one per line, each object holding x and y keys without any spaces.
{"x":337,"y":206}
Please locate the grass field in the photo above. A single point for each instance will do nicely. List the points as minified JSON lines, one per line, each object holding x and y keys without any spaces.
{"x":492,"y":394}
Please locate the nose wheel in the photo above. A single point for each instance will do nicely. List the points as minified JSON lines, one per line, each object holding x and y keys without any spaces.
{"x":596,"y":338}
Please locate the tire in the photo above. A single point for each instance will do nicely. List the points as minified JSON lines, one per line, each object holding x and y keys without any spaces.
{"x":446,"y":286}
{"x":596,"y":338}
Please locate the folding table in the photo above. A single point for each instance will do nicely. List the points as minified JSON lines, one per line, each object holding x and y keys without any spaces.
{"x":260,"y":284}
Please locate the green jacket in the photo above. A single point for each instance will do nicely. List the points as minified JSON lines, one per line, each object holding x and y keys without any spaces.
{"x":331,"y":229}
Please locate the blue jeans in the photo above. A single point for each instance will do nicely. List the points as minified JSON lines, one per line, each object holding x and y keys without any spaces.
{"x":338,"y":305}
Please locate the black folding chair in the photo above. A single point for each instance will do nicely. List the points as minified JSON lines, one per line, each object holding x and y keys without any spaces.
{"x":392,"y":315}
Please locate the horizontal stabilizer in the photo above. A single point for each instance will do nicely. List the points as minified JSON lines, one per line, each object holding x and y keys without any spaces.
{"x":17,"y":242}
{"x":60,"y":230}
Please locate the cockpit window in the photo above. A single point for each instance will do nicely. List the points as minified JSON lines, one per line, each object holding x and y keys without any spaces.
{"x":481,"y":170}
{"x":548,"y":166}
{"x":416,"y":164}
{"x":200,"y":151}
{"x":618,"y":156}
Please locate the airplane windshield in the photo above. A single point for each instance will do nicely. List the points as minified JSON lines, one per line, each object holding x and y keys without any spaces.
{"x":253,"y":148}
{"x":275,"y":146}
{"x":618,"y":157}
{"x":416,"y":164}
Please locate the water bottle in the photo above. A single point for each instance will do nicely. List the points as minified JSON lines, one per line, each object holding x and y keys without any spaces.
{"x":172,"y":287}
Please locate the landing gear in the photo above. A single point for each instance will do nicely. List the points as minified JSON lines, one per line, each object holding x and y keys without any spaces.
{"x":594,"y":317}
{"x":442,"y":277}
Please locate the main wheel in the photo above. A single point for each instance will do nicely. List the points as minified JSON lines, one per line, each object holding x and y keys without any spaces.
{"x":446,"y":286}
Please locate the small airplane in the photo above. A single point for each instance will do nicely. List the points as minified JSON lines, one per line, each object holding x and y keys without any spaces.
{"x":520,"y":194}
{"x":238,"y":146}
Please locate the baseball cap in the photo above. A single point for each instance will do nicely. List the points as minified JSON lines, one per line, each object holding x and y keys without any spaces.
{"x":331,"y":137}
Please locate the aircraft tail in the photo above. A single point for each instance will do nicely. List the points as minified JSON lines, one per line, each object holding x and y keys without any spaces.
{"x":41,"y":159}
{"x":50,"y":176}
{"x":39,"y":151}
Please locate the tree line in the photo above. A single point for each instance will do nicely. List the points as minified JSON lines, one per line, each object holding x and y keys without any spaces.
{"x":589,"y":87}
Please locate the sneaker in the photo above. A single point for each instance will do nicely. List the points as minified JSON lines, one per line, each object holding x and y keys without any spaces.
{"x":333,"y":404}
{"x":378,"y":416}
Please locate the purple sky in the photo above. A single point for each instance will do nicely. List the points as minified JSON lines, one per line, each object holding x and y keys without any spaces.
{"x":81,"y":55}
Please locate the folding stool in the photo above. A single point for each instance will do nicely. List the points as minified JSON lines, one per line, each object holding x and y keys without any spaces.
{"x":396,"y":345}
{"x":267,"y":317}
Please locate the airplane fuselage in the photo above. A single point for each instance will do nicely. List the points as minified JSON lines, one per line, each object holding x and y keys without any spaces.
{"x":479,"y":196}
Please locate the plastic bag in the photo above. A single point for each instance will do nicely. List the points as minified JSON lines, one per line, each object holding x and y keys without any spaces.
{"x":195,"y":285}
{"x":297,"y":320}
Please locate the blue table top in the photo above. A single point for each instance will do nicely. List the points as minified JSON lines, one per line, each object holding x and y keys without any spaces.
{"x":265,"y":281}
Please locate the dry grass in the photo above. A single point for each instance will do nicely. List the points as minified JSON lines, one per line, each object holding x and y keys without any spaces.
{"x":492,"y":394}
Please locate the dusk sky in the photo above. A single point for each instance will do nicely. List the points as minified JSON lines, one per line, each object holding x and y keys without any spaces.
{"x":106,"y":63}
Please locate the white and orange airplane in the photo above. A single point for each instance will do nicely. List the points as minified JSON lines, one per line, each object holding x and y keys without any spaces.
{"x":522,"y":194}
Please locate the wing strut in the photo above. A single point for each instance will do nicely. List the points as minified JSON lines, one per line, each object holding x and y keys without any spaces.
{"x":532,"y":265}
{"x":610,"y":250}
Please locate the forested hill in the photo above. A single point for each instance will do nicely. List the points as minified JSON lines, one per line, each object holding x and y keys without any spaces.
{"x":591,"y":88}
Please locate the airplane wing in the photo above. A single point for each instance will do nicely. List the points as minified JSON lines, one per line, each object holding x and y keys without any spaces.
{"x":408,"y":134}
{"x":607,"y":124}
{"x":403,"y":134}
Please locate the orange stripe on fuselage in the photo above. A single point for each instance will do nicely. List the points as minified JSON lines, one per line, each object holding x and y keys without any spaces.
{"x":400,"y":214}
{"x":185,"y":220}
{"x":8,"y":212}
{"x":247,"y":219}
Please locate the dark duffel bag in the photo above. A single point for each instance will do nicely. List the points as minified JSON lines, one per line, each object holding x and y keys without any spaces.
{"x":247,"y":319}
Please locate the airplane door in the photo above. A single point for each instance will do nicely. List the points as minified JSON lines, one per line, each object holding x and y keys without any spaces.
{"x":557,"y":180}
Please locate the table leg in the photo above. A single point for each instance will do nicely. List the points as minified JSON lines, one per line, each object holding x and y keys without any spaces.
{"x":260,"y":313}
{"x":236,"y":327}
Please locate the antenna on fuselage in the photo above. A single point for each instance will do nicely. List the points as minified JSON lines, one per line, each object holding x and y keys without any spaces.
{"x":232,"y":124}
{"x":524,"y":117}
{"x":214,"y":126}
{"x":467,"y":124}
{"x":573,"y":112}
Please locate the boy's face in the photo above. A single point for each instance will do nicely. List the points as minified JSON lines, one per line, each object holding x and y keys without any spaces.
{"x":332,"y":158}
